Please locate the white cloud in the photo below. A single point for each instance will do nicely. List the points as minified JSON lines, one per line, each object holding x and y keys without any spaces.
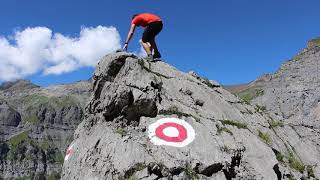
{"x":38,"y":49}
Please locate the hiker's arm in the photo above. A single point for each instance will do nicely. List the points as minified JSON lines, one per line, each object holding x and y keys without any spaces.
{"x":130,"y":34}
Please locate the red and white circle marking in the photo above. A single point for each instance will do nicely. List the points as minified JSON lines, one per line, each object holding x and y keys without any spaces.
{"x":68,"y":153}
{"x":171,"y":132}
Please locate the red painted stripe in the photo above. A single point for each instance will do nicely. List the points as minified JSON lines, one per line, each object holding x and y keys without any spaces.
{"x":69,"y":151}
{"x":183,"y":134}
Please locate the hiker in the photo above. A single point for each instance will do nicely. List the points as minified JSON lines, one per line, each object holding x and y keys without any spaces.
{"x":153,"y":25}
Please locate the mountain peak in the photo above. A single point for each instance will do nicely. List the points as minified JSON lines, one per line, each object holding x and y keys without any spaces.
{"x":17,"y":85}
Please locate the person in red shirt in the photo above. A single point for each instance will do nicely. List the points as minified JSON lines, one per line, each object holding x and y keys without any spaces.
{"x":153,"y":25}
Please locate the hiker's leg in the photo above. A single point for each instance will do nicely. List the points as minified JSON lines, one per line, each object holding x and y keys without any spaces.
{"x":154,"y":45}
{"x":151,"y":48}
{"x":157,"y":27}
{"x":146,"y":47}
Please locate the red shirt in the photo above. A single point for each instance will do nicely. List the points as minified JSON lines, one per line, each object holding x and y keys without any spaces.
{"x":145,"y":19}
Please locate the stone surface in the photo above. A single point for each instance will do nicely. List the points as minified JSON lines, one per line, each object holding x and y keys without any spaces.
{"x":233,"y":139}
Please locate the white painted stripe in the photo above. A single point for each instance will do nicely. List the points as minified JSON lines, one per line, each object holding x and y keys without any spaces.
{"x":157,"y":141}
{"x":68,"y":155}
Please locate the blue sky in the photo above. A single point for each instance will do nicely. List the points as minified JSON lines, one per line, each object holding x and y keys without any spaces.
{"x":231,"y":41}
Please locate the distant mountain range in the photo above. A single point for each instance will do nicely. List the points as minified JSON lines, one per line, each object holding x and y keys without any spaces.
{"x":36,"y":126}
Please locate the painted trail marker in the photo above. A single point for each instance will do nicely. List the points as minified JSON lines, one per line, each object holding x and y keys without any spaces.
{"x":171,"y":132}
{"x":68,"y":153}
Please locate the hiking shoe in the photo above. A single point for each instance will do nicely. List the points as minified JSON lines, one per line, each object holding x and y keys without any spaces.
{"x":157,"y":55}
{"x":149,"y":57}
{"x":156,"y":60}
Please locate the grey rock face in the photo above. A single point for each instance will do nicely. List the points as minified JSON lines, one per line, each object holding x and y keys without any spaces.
{"x":232,"y":139}
{"x":293,"y":95}
{"x":36,"y":126}
{"x":8,"y":116}
{"x":291,"y":98}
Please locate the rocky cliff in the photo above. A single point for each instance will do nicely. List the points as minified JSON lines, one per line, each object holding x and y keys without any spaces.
{"x":151,"y":121}
{"x":291,"y":97}
{"x":36,"y":126}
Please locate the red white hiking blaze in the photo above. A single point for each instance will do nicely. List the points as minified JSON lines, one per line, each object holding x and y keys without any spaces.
{"x":68,"y":153}
{"x":171,"y":132}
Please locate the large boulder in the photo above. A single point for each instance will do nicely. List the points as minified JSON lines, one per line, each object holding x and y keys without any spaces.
{"x":140,"y":121}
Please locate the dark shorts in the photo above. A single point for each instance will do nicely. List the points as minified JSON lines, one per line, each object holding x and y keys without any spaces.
{"x":151,"y":31}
